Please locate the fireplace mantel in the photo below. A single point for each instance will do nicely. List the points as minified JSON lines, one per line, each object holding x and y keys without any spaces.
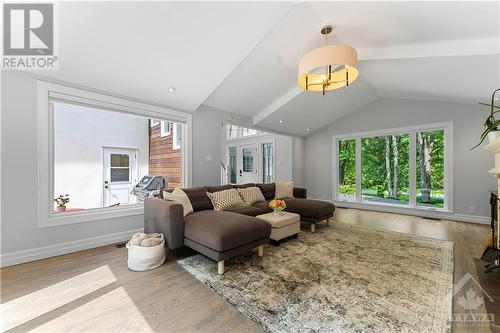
{"x":494,"y":148}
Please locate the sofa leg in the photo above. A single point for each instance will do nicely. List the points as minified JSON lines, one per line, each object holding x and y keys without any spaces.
{"x":313,"y":227}
{"x":261,"y":250}
{"x":220,"y":267}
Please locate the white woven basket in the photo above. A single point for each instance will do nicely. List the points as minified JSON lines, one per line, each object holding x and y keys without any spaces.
{"x":145,"y":258}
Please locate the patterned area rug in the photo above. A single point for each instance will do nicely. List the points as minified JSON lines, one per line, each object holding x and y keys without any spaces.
{"x":342,"y":278}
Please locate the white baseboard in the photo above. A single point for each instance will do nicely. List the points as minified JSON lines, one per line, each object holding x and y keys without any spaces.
{"x":19,"y":257}
{"x":415,"y":212}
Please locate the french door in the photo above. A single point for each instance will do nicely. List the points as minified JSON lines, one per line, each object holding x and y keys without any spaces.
{"x":247,"y":162}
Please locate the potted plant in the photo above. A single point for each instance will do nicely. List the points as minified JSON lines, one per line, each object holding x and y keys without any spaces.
{"x":277,"y":205}
{"x":61,"y":200}
{"x":491,"y":123}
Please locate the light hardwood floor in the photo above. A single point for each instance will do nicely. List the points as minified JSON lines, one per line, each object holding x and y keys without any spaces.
{"x":93,"y":291}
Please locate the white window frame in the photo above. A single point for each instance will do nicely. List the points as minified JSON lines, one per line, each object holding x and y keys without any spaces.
{"x":163,"y":132}
{"x":175,"y":132}
{"x":241,"y":137}
{"x":153,"y":122}
{"x":412,"y":131}
{"x":50,"y":91}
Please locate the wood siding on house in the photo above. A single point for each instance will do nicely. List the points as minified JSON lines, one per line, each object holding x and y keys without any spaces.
{"x":163,"y":160}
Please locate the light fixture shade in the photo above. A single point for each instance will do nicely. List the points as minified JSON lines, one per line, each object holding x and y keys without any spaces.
{"x":343,"y":60}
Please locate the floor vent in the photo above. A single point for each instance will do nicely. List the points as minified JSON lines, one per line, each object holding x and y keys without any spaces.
{"x":121,"y":245}
{"x":431,"y":218}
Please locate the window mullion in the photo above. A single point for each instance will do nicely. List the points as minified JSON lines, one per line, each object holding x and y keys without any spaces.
{"x":358,"y":169}
{"x":412,"y":172}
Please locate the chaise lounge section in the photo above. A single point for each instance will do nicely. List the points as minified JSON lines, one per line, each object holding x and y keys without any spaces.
{"x":310,"y":211}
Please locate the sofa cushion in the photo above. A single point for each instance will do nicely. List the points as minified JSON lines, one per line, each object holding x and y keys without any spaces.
{"x":222,"y":231}
{"x":251,"y":195}
{"x":225,"y":199}
{"x":264,"y":206}
{"x":267,"y":190}
{"x":244,"y":185}
{"x":246,"y":210}
{"x":309,"y":208}
{"x":299,"y":192}
{"x":219,"y":188}
{"x":283,"y":190}
{"x":179,"y":196}
{"x":198,"y":197}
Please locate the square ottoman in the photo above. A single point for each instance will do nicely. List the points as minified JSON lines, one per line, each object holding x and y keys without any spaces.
{"x":283,"y":225}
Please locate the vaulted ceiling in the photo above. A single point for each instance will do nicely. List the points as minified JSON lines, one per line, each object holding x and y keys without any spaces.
{"x":242,"y":56}
{"x":141,"y":49}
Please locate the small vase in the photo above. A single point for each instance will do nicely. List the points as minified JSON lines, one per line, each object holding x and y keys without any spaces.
{"x":60,"y":209}
{"x":277,"y":212}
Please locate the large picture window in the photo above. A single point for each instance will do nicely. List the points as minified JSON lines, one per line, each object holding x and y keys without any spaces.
{"x":100,"y":155}
{"x":94,"y":149}
{"x":405,"y":167}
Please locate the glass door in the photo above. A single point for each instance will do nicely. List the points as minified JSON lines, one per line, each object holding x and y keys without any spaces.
{"x":232,"y":165}
{"x":247,"y":164}
{"x":268,"y":163}
{"x":430,"y":169}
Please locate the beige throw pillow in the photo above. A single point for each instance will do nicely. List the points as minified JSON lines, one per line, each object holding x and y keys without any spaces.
{"x":283,"y":190}
{"x":251,"y":195}
{"x":181,"y":197}
{"x":225,"y":199}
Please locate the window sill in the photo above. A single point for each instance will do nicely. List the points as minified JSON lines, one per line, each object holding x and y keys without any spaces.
{"x":367,"y":203}
{"x":91,"y":215}
{"x":440,"y":213}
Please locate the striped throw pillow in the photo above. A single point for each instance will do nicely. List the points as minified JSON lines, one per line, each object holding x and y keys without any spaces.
{"x":251,"y":195}
{"x":225,"y":199}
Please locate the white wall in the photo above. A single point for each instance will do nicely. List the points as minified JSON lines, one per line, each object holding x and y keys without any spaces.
{"x":471,"y":180}
{"x":207,"y":136}
{"x":284,"y":158}
{"x":80,"y":133}
{"x":298,"y":155}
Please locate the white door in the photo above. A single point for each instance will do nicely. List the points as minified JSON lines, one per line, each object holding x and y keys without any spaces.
{"x":248,"y":161}
{"x":120,"y":175}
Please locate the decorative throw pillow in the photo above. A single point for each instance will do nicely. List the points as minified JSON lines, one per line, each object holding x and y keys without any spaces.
{"x":181,"y":197}
{"x":225,"y":199}
{"x":284,"y":190}
{"x":251,"y":195}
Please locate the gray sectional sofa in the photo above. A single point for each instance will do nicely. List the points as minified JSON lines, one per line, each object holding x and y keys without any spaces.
{"x":220,"y":235}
